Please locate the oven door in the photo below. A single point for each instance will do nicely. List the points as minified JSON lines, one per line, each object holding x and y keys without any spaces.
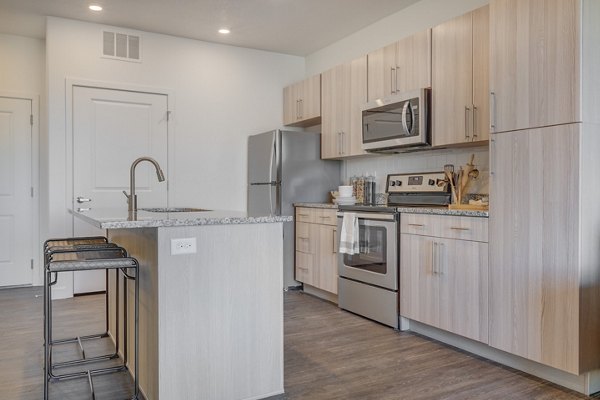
{"x":377,"y":262}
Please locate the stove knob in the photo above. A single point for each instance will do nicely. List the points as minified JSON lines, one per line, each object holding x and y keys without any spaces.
{"x":398,"y":183}
{"x":392,"y":183}
{"x":431,"y":182}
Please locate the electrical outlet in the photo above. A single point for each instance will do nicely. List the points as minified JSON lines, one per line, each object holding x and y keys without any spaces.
{"x":183,"y":246}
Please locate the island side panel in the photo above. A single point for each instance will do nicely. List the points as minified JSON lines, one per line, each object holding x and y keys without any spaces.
{"x":221,"y":313}
{"x":141,"y":243}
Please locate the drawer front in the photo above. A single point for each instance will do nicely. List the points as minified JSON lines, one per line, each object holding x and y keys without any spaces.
{"x":303,"y":237}
{"x":326,"y":216}
{"x":445,"y":226}
{"x":304,"y":268}
{"x":304,"y":214}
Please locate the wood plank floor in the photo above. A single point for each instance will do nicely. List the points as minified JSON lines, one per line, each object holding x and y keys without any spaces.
{"x":329,"y":354}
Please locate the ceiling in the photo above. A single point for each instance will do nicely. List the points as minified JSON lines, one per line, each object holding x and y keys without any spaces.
{"x":298,"y":27}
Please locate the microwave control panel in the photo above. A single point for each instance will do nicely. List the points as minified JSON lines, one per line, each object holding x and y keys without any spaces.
{"x":432,"y":182}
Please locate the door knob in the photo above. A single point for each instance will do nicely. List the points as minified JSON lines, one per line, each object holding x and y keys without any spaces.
{"x":83,"y":200}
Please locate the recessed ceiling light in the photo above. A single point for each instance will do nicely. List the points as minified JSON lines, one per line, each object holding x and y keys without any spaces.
{"x":224,"y":31}
{"x":95,"y":7}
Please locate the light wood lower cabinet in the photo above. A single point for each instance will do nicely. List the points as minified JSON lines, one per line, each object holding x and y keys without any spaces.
{"x":316,"y":248}
{"x":444,"y":282}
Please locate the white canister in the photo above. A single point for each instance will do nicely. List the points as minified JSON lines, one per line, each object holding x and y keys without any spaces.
{"x":345,"y":191}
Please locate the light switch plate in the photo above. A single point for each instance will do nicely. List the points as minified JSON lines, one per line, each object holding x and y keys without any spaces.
{"x":183,"y":246}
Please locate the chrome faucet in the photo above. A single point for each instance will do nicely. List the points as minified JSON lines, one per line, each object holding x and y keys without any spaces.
{"x":132,"y":197}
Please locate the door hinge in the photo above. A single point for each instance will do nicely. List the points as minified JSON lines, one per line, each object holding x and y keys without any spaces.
{"x":32,"y":191}
{"x":32,"y":263}
{"x":31,"y":119}
{"x":168,"y":115}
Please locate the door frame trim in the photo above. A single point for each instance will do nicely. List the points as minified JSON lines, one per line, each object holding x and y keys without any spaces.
{"x":34,"y":98}
{"x":70,"y":84}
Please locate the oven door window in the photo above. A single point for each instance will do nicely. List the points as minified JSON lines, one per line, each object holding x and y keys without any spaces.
{"x":373,"y":250}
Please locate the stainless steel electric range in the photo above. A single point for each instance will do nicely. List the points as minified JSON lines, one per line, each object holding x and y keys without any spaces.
{"x":369,"y":280}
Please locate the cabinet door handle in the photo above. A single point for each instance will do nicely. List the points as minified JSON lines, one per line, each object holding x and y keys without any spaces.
{"x":83,"y":209}
{"x":343,"y":142}
{"x":434,"y":258}
{"x":297,"y":109}
{"x":467,"y":109}
{"x":492,"y":150}
{"x":474,"y":122}
{"x":417,"y":225}
{"x":302,"y":238}
{"x":493,"y":111}
{"x":335,"y":246}
{"x":301,"y":108}
{"x":303,"y":215}
{"x":440,"y":259}
{"x":458,"y":228}
{"x":392,"y":69}
{"x":83,"y":200}
{"x":396,"y":73}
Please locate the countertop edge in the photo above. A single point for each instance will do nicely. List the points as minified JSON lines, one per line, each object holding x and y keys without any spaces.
{"x":411,"y":210}
{"x":198,"y":221}
{"x":443,"y":211}
{"x":316,"y":205}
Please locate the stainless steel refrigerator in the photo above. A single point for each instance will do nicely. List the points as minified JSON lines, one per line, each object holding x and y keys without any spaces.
{"x":285,"y":167}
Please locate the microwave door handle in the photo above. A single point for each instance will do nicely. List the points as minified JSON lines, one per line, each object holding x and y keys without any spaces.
{"x":404,"y":122}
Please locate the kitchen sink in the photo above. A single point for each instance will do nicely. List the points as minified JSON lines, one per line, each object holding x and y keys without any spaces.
{"x":172,"y":209}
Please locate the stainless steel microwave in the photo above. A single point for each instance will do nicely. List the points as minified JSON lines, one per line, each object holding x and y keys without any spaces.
{"x":396,"y":123}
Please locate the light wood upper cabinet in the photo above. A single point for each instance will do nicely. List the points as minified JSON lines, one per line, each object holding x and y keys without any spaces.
{"x":535,"y":308}
{"x":444,"y":282}
{"x":302,"y":102}
{"x":400,"y":67}
{"x":535,"y":63}
{"x":316,"y":248}
{"x":459,"y":79}
{"x":344,"y":90}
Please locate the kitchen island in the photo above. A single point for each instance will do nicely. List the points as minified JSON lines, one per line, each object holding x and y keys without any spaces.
{"x":211,"y":321}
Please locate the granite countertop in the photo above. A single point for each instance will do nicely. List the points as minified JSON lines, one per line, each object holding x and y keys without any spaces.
{"x":118,"y":218}
{"x":316,"y":205}
{"x":443,"y":211}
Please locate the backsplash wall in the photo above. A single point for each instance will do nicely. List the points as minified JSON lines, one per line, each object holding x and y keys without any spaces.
{"x":423,"y":161}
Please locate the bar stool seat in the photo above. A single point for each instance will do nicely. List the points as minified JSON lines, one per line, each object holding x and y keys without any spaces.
{"x":85,"y":254}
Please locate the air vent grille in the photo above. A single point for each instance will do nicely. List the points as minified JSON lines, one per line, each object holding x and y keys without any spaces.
{"x":121,"y":46}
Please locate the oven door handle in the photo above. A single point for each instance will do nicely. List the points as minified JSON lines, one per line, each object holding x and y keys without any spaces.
{"x":375,"y":217}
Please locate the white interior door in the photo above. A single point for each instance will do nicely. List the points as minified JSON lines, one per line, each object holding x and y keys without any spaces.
{"x":16,"y":202}
{"x":112,"y":128}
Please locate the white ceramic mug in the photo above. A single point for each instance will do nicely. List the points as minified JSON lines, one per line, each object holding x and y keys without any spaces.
{"x":345,"y":191}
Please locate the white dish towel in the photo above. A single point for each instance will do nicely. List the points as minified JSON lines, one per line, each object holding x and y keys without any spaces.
{"x":349,"y":235}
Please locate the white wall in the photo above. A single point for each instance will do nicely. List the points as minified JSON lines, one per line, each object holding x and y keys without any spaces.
{"x":418,"y":17}
{"x":21,"y":64}
{"x":221,"y":94}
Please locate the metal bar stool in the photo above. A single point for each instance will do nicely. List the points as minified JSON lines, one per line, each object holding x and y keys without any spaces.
{"x":81,"y":254}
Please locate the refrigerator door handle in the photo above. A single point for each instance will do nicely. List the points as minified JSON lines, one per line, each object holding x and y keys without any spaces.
{"x":271,"y":163}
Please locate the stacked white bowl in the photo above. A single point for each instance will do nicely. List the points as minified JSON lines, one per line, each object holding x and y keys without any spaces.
{"x":345,"y":195}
